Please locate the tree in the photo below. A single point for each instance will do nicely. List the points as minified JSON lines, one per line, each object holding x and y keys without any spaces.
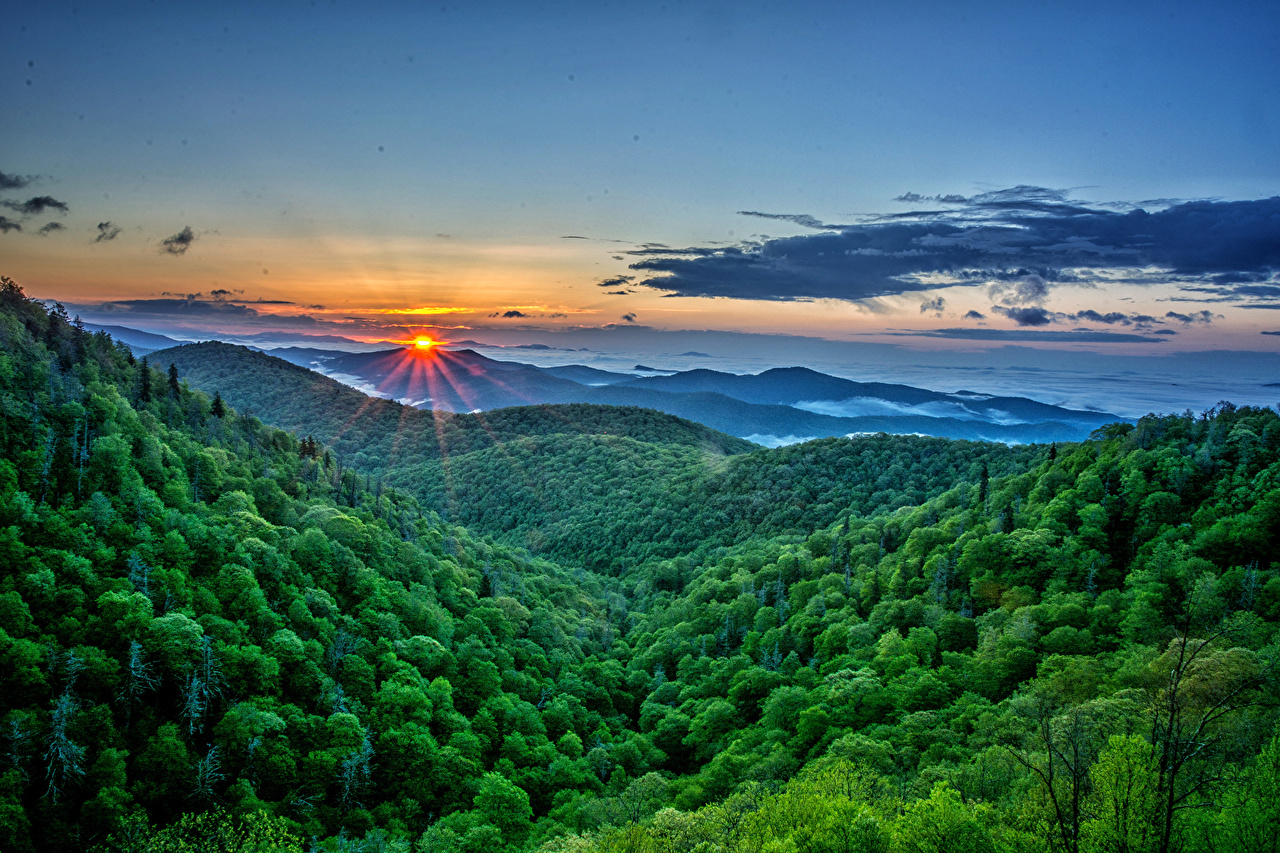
{"x":505,"y":806}
{"x":211,"y":832}
{"x":1201,"y":686}
{"x":355,"y":772}
{"x":1059,"y":753}
{"x":940,"y":824}
{"x":64,"y":756}
{"x":1126,"y":799}
{"x":139,"y":677}
{"x":174,"y":388}
{"x":1251,"y":808}
{"x":144,"y":382}
{"x":218,"y":409}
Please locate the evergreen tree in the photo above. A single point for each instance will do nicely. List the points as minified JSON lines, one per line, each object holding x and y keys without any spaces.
{"x":144,"y":389}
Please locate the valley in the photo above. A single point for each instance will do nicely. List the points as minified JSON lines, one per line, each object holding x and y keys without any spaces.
{"x":239,"y":596}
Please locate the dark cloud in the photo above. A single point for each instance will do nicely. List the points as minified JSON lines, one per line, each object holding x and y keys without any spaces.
{"x":1091,"y":316}
{"x":221,"y":296}
{"x":50,"y":227}
{"x":1030,"y":289}
{"x":1031,"y":335}
{"x":802,"y":219}
{"x":936,"y":304}
{"x":1198,"y":317}
{"x":629,"y":318}
{"x":187,"y":307}
{"x":596,"y":239}
{"x":36,"y":206}
{"x":1164,"y":332}
{"x":559,"y":315}
{"x":1000,"y":236}
{"x":509,"y":315}
{"x":15,"y":182}
{"x":7,"y":225}
{"x":916,"y":198}
{"x":616,"y":281}
{"x":178,"y":243}
{"x":618,"y":292}
{"x":1032,"y":316}
{"x":107,"y":231}
{"x":1111,"y":318}
{"x":1257,"y":291}
{"x":659,"y":250}
{"x":974,"y":315}
{"x":206,"y":315}
{"x":1270,"y":333}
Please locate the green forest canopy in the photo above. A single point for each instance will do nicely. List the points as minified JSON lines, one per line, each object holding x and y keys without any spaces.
{"x":211,"y":631}
{"x":601,"y":486}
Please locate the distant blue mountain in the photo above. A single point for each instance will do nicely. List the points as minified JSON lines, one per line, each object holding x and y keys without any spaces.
{"x":139,"y":342}
{"x":817,"y":392}
{"x":776,"y":406}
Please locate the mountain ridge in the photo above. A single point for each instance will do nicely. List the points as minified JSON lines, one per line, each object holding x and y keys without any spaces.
{"x":817,"y":405}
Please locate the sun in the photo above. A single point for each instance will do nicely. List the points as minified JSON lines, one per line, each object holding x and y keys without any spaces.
{"x":424,"y":343}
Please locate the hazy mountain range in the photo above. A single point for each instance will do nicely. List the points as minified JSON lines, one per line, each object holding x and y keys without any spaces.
{"x":778,"y":406}
{"x":139,"y":342}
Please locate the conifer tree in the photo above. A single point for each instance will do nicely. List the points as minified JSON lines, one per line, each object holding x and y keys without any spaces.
{"x":144,"y":390}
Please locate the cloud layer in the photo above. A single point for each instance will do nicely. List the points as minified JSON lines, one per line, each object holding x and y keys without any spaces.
{"x":1021,"y":240}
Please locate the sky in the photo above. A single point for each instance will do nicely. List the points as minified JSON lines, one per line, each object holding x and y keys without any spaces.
{"x":889,"y":184}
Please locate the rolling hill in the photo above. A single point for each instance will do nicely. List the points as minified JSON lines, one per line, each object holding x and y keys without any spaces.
{"x":560,"y":478}
{"x":213,"y":634}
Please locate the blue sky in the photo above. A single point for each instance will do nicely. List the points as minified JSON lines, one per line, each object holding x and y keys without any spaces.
{"x":385,"y":170}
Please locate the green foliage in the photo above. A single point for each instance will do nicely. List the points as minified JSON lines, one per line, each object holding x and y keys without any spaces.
{"x":215,"y":633}
{"x":211,"y":832}
{"x":602,"y":486}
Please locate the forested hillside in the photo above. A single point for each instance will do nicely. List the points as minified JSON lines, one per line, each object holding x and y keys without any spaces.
{"x":602,"y":486}
{"x":198,"y":611}
{"x":608,"y":503}
{"x":464,"y":381}
{"x":377,"y":434}
{"x":211,"y":629}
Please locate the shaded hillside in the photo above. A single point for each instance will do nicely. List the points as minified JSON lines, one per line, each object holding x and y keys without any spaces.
{"x":376,"y":434}
{"x":454,"y":380}
{"x":609,"y":503}
{"x":561,"y":479}
{"x":200,"y":612}
{"x":140,"y":343}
